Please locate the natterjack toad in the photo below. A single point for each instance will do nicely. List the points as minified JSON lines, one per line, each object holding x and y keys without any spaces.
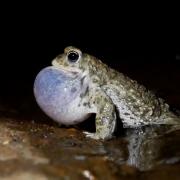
{"x":78,"y":84}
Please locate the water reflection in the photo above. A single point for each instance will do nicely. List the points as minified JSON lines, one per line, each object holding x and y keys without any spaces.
{"x":153,"y":145}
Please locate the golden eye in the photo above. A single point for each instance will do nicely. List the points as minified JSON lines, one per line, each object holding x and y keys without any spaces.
{"x":73,"y":56}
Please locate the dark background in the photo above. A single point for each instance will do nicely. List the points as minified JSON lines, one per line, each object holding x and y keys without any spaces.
{"x":144,"y":48}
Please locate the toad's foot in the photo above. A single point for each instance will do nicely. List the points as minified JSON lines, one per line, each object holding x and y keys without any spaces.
{"x":96,"y":136}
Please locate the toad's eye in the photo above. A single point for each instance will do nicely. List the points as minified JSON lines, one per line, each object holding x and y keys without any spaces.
{"x":73,"y":56}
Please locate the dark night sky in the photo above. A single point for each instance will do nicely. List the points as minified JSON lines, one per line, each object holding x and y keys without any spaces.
{"x":140,"y":48}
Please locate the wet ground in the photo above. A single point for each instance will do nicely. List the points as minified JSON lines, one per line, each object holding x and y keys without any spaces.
{"x":34,"y":147}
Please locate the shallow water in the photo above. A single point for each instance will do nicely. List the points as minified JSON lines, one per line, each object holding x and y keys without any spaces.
{"x":154,"y":145}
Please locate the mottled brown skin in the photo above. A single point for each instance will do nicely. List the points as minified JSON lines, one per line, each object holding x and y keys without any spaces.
{"x":109,"y":90}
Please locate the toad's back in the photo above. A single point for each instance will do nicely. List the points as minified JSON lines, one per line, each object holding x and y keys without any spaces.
{"x":137,"y":105}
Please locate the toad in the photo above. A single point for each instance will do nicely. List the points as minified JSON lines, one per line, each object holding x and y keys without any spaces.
{"x":78,"y":84}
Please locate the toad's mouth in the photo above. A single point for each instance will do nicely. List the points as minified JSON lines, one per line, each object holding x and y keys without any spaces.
{"x":69,"y":70}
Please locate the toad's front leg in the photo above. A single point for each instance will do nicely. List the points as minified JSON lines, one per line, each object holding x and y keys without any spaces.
{"x":105,"y":116}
